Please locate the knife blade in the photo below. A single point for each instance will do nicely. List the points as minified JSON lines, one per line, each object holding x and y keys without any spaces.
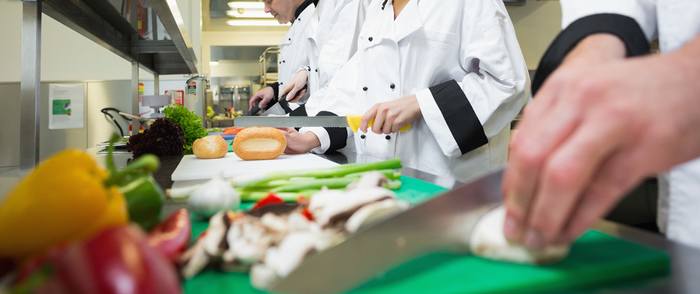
{"x":350,"y":121}
{"x":443,"y":223}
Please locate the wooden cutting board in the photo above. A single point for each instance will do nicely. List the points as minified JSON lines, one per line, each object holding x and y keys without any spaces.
{"x":193,"y":168}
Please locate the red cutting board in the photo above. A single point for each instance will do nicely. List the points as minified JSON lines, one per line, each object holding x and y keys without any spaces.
{"x":596,"y":259}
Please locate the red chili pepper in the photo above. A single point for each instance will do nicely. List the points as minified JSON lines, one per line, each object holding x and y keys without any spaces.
{"x":117,"y":260}
{"x":172,"y":236}
{"x":270,"y":199}
{"x":305,"y":212}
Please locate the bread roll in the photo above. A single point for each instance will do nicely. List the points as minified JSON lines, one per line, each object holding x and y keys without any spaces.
{"x":210,"y":147}
{"x":256,"y":143}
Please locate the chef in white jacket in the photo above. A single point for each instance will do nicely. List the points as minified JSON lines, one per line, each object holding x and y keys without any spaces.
{"x":332,"y":37}
{"x":607,"y":117}
{"x":452,"y":69}
{"x":293,"y":48}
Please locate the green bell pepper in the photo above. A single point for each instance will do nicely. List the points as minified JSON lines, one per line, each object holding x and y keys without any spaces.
{"x":143,"y":195}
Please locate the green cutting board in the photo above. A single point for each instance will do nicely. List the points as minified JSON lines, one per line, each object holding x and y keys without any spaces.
{"x":596,"y":259}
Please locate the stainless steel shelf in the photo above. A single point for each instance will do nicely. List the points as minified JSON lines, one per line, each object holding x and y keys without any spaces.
{"x":101,"y":22}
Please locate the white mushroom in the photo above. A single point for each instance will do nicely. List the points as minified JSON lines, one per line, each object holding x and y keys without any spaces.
{"x":214,"y":242}
{"x":373,"y":212}
{"x":487,"y":240}
{"x":298,"y":222}
{"x":293,"y":250}
{"x":332,"y":208}
{"x":248,"y":241}
{"x":274,"y":223}
{"x":321,"y":199}
{"x":369,"y":179}
{"x":193,"y":261}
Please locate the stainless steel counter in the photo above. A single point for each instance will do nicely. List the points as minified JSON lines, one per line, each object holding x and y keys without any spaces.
{"x":685,"y":260}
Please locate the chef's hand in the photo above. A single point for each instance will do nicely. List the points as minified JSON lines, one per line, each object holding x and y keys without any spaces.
{"x":598,"y":126}
{"x":263,"y":95}
{"x":391,"y":116}
{"x":298,"y":143}
{"x":293,"y":88}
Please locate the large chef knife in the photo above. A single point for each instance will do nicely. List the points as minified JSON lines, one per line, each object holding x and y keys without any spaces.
{"x":350,"y":121}
{"x":443,"y":223}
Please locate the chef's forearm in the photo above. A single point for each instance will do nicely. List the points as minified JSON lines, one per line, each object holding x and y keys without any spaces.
{"x":625,"y":28}
{"x":597,"y":48}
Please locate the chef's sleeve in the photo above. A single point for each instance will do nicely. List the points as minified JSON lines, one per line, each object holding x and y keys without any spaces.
{"x":642,"y":11}
{"x":464,"y":114}
{"x":338,"y":98}
{"x":331,"y":139}
{"x":633,"y":21}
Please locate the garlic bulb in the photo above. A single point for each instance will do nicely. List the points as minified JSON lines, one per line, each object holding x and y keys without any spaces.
{"x":214,"y":196}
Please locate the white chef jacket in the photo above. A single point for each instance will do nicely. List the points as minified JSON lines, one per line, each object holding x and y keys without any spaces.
{"x":293,"y":48}
{"x":462,"y":60}
{"x":332,"y":36}
{"x":675,"y":22}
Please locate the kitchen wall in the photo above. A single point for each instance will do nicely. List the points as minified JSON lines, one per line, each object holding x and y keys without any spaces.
{"x":536,"y":24}
{"x":97,"y":127}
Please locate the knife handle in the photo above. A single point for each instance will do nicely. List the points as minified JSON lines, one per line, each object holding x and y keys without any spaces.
{"x":255,"y":109}
{"x":354,"y":123}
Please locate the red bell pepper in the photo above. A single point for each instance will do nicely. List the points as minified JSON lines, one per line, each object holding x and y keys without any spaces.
{"x":270,"y":199}
{"x":172,"y":236}
{"x":117,"y":260}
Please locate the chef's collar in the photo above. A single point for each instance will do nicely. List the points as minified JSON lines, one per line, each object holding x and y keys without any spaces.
{"x":303,"y":6}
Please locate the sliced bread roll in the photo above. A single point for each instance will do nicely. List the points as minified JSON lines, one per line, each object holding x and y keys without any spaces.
{"x":210,"y":147}
{"x":257,"y":143}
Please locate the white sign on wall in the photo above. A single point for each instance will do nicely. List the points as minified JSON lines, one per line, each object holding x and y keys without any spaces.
{"x":66,"y":106}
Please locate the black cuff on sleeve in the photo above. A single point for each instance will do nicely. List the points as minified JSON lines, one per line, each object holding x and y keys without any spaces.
{"x":459,"y":115}
{"x":276,"y":89}
{"x":338,"y":136}
{"x":624,"y":27}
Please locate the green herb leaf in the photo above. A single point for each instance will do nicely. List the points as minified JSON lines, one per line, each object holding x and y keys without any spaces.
{"x":190,"y":123}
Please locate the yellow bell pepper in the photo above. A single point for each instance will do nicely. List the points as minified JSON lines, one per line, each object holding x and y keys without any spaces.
{"x":63,"y":200}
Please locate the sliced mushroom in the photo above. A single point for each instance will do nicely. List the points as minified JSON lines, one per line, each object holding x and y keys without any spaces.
{"x":369,"y":179}
{"x":193,"y":261}
{"x":275,"y":224}
{"x":214,"y":242}
{"x":373,"y":212}
{"x":487,"y":241}
{"x":248,"y":241}
{"x":324,"y":198}
{"x":333,"y":208}
{"x":293,"y":250}
{"x":298,"y":222}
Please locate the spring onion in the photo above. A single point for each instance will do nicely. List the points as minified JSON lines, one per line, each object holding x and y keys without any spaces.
{"x":251,"y":180}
